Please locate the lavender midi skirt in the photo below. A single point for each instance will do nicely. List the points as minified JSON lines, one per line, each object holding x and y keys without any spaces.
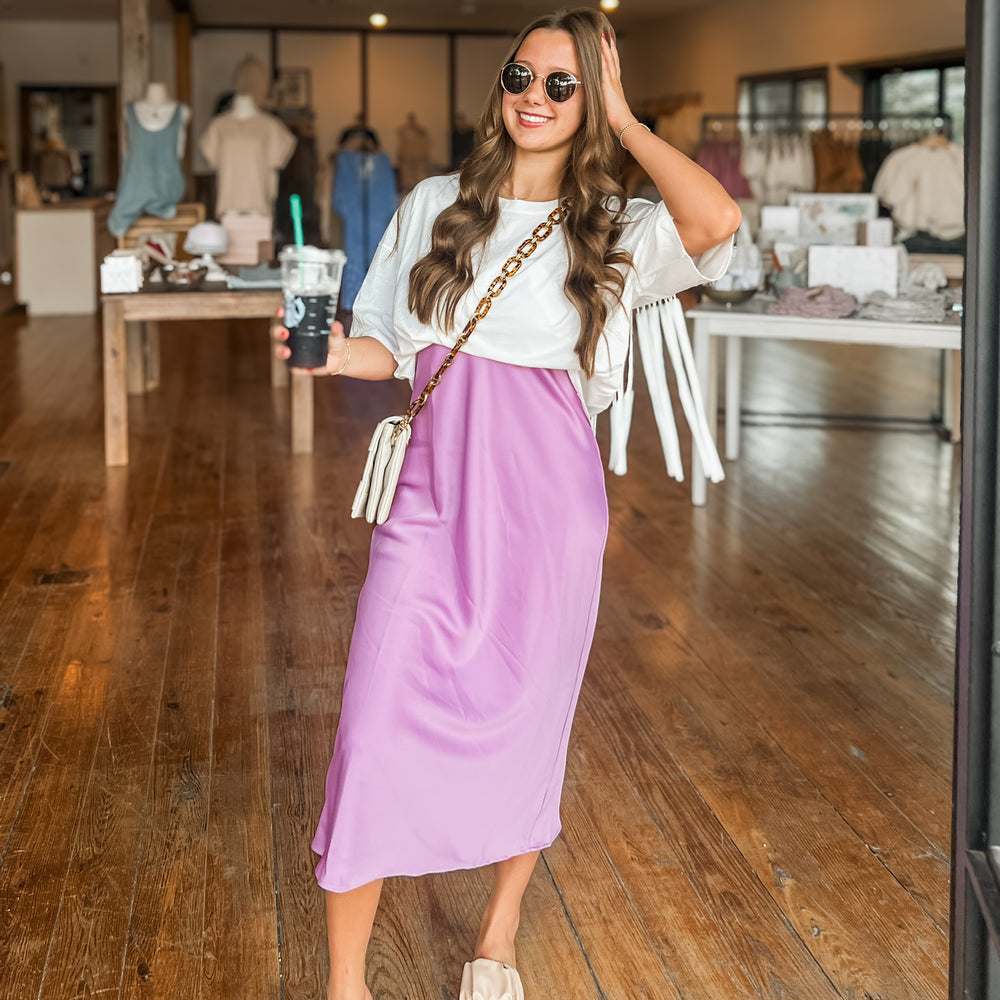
{"x":472,"y":634}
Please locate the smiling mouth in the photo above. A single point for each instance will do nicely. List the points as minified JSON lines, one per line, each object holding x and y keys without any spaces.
{"x":532,"y":119}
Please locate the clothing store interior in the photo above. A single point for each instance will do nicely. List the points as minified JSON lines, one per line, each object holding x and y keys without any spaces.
{"x":776,"y":784}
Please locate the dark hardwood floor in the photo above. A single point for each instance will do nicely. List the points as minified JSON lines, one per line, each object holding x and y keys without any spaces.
{"x":758,"y":795}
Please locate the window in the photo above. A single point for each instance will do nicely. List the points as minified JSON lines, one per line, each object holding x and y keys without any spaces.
{"x":934,"y":88}
{"x":798,"y":93}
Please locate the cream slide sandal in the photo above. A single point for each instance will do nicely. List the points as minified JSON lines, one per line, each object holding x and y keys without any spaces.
{"x":485,"y":979}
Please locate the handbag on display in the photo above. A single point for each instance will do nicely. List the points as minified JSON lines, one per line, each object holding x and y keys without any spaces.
{"x":373,"y":499}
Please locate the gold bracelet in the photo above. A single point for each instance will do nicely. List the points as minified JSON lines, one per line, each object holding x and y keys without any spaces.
{"x":347,"y":361}
{"x":621,"y":135}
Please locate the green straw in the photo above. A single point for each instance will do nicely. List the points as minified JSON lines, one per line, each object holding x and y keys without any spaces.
{"x":296,"y":203}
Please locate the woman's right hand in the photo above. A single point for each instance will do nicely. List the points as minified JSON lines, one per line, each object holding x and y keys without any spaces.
{"x":336,"y":349}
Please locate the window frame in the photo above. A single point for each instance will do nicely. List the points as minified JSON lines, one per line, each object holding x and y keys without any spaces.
{"x":873,"y":75}
{"x":795,"y":77}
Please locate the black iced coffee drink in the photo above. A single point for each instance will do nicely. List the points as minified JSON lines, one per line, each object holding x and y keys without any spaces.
{"x":310,"y":281}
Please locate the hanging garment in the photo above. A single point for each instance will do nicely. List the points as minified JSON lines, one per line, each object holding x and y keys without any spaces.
{"x":364,"y":194}
{"x":775,"y":165}
{"x":247,"y":153}
{"x":924,"y":188}
{"x":923,"y":242}
{"x":413,"y":155}
{"x":151,"y":182}
{"x":872,"y":151}
{"x":837,"y":163}
{"x":55,"y":168}
{"x":722,"y":159}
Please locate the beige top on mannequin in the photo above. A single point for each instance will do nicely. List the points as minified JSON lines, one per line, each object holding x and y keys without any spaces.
{"x":247,"y":148}
{"x":156,"y":109}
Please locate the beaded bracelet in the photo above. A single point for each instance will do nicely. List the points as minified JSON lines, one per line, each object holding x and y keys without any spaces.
{"x":621,"y":135}
{"x":347,"y":361}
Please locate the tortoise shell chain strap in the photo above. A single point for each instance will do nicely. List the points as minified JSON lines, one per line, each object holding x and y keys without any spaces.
{"x":513,"y":264}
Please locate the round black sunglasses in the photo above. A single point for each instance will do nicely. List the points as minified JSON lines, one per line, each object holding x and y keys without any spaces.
{"x":559,"y":86}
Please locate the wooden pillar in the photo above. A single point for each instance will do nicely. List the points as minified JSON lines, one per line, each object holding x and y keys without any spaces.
{"x":183,"y":30}
{"x":133,"y":49}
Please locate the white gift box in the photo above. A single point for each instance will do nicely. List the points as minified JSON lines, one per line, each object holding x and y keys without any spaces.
{"x":858,"y":270}
{"x":781,"y":220}
{"x":121,"y":271}
{"x":833,"y":218}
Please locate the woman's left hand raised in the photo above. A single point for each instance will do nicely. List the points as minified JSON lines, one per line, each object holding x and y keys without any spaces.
{"x":619,"y":113}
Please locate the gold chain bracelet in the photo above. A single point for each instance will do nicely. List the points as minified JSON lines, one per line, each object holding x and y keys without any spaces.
{"x":621,"y":134}
{"x":347,"y":360}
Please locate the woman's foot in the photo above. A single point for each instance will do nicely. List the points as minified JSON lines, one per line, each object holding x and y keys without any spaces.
{"x":487,"y":979}
{"x":497,"y":946}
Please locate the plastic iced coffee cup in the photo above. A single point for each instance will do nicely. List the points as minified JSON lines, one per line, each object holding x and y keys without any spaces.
{"x":310,"y":281}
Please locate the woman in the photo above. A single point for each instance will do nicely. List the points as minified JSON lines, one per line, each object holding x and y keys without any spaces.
{"x":476,"y":618}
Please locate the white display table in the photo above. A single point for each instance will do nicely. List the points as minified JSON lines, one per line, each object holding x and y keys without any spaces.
{"x":710,"y":321}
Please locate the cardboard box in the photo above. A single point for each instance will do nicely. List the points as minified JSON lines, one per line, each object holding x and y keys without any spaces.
{"x":246,"y":233}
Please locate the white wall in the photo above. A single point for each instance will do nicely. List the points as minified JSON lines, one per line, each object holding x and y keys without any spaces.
{"x":477,"y":60}
{"x":408,"y":73}
{"x":334,"y":61}
{"x":68,"y":52}
{"x":706,"y":48}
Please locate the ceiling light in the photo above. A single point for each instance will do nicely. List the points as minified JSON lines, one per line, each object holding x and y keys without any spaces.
{"x":380,"y":20}
{"x":609,"y":4}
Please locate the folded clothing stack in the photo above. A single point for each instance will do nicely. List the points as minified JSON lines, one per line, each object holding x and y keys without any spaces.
{"x":262,"y":276}
{"x":914,"y":305}
{"x":821,"y":302}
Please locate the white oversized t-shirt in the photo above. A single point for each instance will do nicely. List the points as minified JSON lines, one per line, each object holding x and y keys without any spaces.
{"x":531,"y":323}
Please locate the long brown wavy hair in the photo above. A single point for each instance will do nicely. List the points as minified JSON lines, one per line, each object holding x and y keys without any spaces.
{"x":588,"y":187}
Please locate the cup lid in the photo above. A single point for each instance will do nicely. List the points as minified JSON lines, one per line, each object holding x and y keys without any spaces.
{"x":311,"y":255}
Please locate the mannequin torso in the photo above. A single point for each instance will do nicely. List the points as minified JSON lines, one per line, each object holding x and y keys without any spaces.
{"x":244,"y":106}
{"x":156,"y":109}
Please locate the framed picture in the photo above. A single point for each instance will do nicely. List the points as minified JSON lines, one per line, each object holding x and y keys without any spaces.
{"x":292,"y":89}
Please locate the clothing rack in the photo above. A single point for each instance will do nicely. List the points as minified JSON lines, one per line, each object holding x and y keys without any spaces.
{"x":905,"y":127}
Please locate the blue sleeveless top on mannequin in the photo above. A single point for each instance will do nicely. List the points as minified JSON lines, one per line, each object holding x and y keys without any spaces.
{"x":152,"y":181}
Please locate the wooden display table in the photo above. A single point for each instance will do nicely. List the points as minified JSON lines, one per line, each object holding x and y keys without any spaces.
{"x":131,"y":355}
{"x":710,"y":321}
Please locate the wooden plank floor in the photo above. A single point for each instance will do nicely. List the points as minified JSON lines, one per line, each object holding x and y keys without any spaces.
{"x":757,"y":802}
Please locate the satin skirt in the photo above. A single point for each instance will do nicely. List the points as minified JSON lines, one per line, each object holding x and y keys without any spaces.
{"x":473,"y":630}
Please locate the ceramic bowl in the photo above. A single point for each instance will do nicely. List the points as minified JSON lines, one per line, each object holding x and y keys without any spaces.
{"x":731,"y":297}
{"x":183,"y":274}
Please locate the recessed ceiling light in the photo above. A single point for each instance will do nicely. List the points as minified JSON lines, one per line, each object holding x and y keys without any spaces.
{"x":609,"y":4}
{"x":380,"y":20}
